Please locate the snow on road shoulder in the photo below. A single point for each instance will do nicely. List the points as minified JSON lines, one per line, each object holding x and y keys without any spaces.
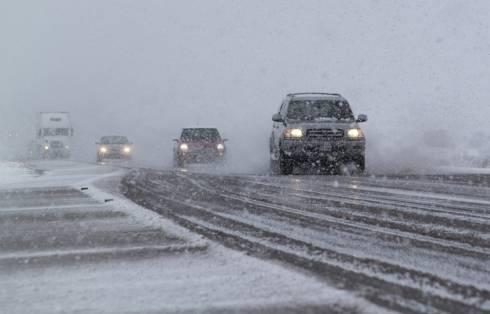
{"x":106,"y":188}
{"x":13,"y":172}
{"x":48,"y":173}
{"x":273,"y":285}
{"x":216,"y":279}
{"x":462,"y":170}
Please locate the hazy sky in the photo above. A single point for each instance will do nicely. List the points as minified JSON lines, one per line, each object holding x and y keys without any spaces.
{"x":147,"y":68}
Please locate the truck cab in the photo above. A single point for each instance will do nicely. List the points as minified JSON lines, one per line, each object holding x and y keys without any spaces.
{"x":54,"y":134}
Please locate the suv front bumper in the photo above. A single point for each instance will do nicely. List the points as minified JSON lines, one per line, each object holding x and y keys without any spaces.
{"x":201,"y":156}
{"x":307,"y":150}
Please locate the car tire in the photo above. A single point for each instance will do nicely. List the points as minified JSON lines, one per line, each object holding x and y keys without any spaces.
{"x":274,"y":167}
{"x":179,"y":163}
{"x":286,"y":165}
{"x":361,"y":163}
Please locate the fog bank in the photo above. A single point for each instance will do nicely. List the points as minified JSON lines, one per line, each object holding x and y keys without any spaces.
{"x":145,"y":69}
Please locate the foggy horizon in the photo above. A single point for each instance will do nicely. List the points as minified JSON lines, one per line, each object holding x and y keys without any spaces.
{"x":147,"y":69}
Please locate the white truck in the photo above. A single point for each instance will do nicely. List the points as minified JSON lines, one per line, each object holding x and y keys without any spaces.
{"x":54,"y":134}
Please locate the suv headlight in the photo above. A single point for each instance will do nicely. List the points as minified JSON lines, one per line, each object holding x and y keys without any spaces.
{"x":355,"y":134}
{"x":293,"y":133}
{"x":103,"y":149}
{"x":127,"y":149}
{"x":220,"y":147}
{"x":184,"y":147}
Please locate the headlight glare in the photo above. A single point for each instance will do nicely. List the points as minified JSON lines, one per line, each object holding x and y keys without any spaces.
{"x":355,"y":133}
{"x":293,"y":133}
{"x":220,"y":147}
{"x":127,"y":149}
{"x":103,"y":149}
{"x":184,"y":147}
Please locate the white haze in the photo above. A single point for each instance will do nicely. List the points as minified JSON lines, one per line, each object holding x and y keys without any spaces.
{"x":147,"y":68}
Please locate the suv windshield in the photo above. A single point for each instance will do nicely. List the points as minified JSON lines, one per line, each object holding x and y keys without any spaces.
{"x":200,"y":135}
{"x":319,"y":109}
{"x":114,"y":140}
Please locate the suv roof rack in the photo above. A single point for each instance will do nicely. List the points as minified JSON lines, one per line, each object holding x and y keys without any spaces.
{"x":299,"y":94}
{"x":314,"y":93}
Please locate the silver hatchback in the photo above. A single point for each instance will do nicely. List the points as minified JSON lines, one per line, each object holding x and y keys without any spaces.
{"x":114,"y":147}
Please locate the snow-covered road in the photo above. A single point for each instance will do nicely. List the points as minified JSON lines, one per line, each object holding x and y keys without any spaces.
{"x":69,"y":242}
{"x":414,"y":244}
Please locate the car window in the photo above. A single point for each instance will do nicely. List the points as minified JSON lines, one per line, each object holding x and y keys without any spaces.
{"x":200,"y":134}
{"x":114,"y":140}
{"x":282,"y":110}
{"x":319,"y":110}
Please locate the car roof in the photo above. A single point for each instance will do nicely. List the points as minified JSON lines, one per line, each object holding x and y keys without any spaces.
{"x":315,"y":96}
{"x":199,"y":129}
{"x":114,"y":136}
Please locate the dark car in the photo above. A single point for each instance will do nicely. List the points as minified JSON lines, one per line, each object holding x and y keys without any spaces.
{"x":316,"y":129}
{"x":114,"y":147}
{"x":199,"y":145}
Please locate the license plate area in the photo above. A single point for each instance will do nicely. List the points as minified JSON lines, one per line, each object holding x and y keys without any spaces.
{"x":325,"y":147}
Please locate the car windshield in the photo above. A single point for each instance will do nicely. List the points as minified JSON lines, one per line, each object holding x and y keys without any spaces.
{"x":319,"y":109}
{"x":114,"y":140}
{"x":211,"y":135}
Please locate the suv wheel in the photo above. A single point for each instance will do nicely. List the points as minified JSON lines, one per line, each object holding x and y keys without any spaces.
{"x":179,"y":162}
{"x":361,"y":163}
{"x":286,"y":165}
{"x":274,"y":167}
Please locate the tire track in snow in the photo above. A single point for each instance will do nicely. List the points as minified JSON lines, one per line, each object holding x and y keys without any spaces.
{"x":202,"y":207}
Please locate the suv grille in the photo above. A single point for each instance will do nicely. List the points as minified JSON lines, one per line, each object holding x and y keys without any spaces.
{"x":322,"y":134}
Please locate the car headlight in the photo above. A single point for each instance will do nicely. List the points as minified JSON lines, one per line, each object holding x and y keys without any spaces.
{"x":220,"y":147}
{"x":103,"y":149}
{"x":46,"y":147}
{"x":355,"y":134}
{"x":184,"y":147}
{"x":127,"y":149}
{"x":293,"y":133}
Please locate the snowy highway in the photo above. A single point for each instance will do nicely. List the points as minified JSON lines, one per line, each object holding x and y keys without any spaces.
{"x":410,"y":244}
{"x":71,"y":243}
{"x":257,"y":157}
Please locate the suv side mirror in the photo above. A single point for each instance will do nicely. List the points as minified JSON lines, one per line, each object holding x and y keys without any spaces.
{"x":225,"y":140}
{"x":362,"y":118}
{"x":175,"y":140}
{"x":277,"y":118}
